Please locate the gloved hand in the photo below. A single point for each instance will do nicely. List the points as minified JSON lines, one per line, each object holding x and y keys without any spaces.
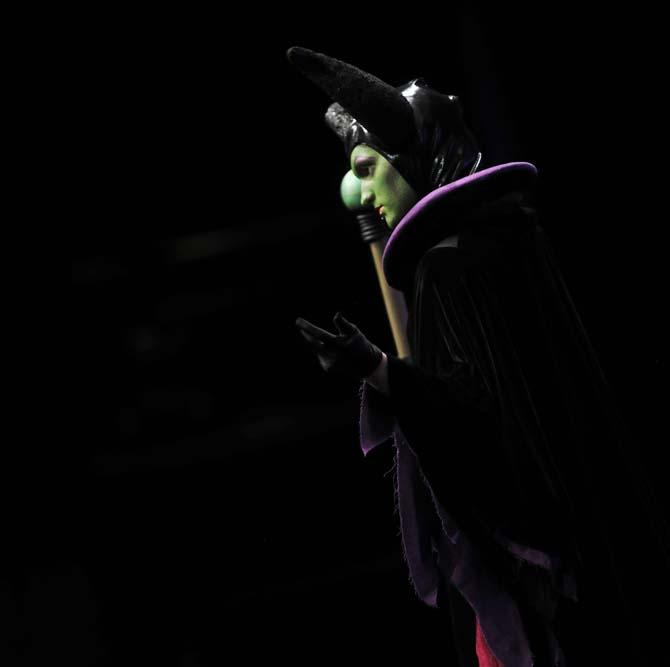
{"x":347,"y":353}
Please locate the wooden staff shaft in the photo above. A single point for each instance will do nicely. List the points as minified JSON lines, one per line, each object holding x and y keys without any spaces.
{"x":394,"y":300}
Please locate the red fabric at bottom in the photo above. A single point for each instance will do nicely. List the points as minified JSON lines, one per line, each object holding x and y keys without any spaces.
{"x":484,"y":654}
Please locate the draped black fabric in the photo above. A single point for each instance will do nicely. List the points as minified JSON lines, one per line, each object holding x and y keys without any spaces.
{"x":511,"y":419}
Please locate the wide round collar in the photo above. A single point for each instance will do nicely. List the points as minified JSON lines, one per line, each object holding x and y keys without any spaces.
{"x":444,"y":212}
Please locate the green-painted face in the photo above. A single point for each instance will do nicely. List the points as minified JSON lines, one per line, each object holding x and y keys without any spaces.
{"x":382,"y":186}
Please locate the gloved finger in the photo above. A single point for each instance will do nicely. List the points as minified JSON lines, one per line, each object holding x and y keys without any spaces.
{"x":314,"y":342}
{"x":343,"y":325}
{"x":315,"y":331}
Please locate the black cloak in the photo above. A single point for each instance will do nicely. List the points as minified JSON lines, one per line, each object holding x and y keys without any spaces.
{"x":505,"y":429}
{"x":514,"y":429}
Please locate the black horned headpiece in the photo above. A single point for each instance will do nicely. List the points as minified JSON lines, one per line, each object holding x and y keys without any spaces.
{"x":419,"y":130}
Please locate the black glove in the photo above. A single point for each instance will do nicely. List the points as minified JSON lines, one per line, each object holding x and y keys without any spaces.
{"x":348,"y":353}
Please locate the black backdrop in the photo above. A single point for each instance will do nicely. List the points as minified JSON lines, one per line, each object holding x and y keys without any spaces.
{"x":210,"y":500}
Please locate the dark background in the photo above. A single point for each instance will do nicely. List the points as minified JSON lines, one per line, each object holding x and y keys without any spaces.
{"x":209,"y":499}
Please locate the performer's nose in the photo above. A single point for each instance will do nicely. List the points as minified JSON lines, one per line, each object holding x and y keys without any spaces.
{"x":367,"y":197}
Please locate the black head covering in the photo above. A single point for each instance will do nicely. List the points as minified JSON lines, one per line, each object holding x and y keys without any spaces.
{"x":419,"y":130}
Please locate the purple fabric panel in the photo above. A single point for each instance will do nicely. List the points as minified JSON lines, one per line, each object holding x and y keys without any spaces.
{"x":534,"y":556}
{"x":564,"y":581}
{"x":457,"y":562}
{"x":496,"y":610}
{"x":378,"y":425}
{"x":448,"y":555}
{"x":414,"y":505}
{"x":376,"y":420}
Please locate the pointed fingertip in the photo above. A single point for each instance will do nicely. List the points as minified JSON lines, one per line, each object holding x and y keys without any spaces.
{"x":299,"y":55}
{"x":292,"y":52}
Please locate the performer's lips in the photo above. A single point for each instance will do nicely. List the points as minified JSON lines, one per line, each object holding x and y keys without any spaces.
{"x":380,"y":210}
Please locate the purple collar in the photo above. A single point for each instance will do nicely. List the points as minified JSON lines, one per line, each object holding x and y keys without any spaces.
{"x":441,"y":213}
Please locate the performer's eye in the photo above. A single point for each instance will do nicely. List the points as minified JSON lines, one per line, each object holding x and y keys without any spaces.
{"x":363,"y":166}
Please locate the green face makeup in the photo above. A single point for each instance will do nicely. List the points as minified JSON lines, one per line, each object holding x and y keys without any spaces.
{"x":381,"y":184}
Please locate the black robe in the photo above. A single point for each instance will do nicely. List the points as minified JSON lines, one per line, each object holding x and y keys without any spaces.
{"x":510,"y":419}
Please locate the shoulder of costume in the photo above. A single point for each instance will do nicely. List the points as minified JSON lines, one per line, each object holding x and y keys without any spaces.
{"x":444,"y":212}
